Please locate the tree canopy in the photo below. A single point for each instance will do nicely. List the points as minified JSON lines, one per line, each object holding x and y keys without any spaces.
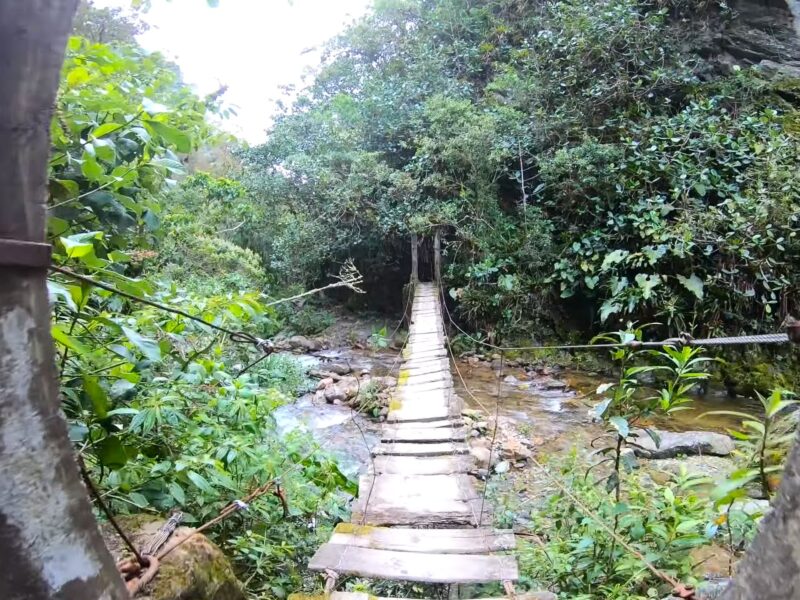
{"x":583,"y":159}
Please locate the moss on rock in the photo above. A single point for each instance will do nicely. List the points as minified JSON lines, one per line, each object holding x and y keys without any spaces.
{"x":195,"y":570}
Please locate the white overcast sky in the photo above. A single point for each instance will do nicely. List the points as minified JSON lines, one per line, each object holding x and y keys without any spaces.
{"x":253,"y":46}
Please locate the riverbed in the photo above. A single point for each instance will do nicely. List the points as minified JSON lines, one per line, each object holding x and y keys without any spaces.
{"x":551,"y":408}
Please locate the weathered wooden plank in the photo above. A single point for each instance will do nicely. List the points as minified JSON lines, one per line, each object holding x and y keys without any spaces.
{"x":449,"y":423}
{"x":410,"y":390}
{"x":406,"y":379}
{"x":426,"y":361}
{"x":439,"y":541}
{"x":417,"y":465}
{"x":366,"y":596}
{"x":400,"y":488}
{"x":413,"y":566}
{"x":410,"y":449}
{"x":410,"y":368}
{"x":423,"y":434}
{"x":428,"y":513}
{"x":420,"y":413}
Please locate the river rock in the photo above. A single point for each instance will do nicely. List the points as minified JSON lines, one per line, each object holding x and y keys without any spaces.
{"x":553,"y":384}
{"x":324,"y":374}
{"x":715,"y":467}
{"x":512,"y":449}
{"x":334,"y":393}
{"x":751,"y":507}
{"x":339,"y":368}
{"x":482,"y":456}
{"x":511,"y":380}
{"x":323,"y":383}
{"x":303,"y":344}
{"x":686,"y":443}
{"x":342,"y":390}
{"x":502,"y":467}
{"x":196,"y":570}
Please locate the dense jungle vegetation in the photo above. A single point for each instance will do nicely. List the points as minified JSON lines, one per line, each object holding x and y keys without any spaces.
{"x":587,"y":164}
{"x":590,"y":164}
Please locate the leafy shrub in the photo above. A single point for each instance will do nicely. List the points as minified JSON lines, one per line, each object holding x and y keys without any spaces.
{"x":308,"y":319}
{"x":578,"y":557}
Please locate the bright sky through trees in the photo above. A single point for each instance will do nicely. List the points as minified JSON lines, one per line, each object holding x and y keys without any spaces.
{"x":253,"y":46}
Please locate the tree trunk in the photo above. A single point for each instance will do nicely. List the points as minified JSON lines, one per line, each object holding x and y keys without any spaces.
{"x":49,"y":540}
{"x":770,"y":569}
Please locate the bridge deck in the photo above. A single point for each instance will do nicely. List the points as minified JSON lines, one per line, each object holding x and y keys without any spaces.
{"x":418,"y":514}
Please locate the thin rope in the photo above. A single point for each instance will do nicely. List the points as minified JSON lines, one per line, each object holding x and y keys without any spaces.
{"x":494,"y":433}
{"x":363,"y":437}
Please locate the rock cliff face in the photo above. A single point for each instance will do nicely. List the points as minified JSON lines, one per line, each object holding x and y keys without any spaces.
{"x":754,"y":32}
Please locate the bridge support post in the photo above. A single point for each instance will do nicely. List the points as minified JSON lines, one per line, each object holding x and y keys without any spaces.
{"x":437,"y":257}
{"x":414,"y":259}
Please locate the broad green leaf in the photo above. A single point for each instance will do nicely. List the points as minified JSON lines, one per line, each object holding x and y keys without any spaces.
{"x":56,"y":290}
{"x":105,"y":129}
{"x":97,"y":395}
{"x":200,"y":481}
{"x":176,"y":491}
{"x":171,"y":135}
{"x":608,"y":308}
{"x":613,"y":258}
{"x":66,"y":340}
{"x":145,"y":345}
{"x":91,"y":169}
{"x":138,"y":499}
{"x":112,"y":454}
{"x":621,"y":425}
{"x":76,"y":249}
{"x":647,"y":283}
{"x":694,"y":284}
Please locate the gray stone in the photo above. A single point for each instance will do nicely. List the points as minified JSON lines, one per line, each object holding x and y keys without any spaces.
{"x":751,"y":507}
{"x":502,"y":467}
{"x":339,"y":368}
{"x":687,"y":443}
{"x":482,"y":456}
{"x":303,"y":344}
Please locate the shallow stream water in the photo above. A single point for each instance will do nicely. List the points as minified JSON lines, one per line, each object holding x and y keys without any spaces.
{"x":555,"y":418}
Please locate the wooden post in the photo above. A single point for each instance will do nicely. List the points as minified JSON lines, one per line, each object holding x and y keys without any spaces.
{"x":414,"y":259}
{"x":437,"y":257}
{"x":49,"y":540}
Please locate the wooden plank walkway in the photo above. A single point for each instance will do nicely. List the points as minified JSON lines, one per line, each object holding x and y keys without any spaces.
{"x":418,"y":515}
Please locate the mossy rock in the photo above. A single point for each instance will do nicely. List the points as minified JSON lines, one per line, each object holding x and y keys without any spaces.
{"x":195,"y":570}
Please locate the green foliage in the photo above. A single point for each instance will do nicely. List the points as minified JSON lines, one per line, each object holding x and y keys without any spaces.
{"x":306,"y":320}
{"x":762,"y":444}
{"x":121,"y":117}
{"x":379,"y":339}
{"x":626,"y":402}
{"x":579,"y":558}
{"x":572,"y":156}
{"x":160,"y":407}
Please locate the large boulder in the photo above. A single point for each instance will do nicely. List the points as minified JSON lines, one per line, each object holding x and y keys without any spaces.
{"x":687,"y":443}
{"x":339,"y":368}
{"x":343,"y":390}
{"x":195,"y":570}
{"x":300,"y":343}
